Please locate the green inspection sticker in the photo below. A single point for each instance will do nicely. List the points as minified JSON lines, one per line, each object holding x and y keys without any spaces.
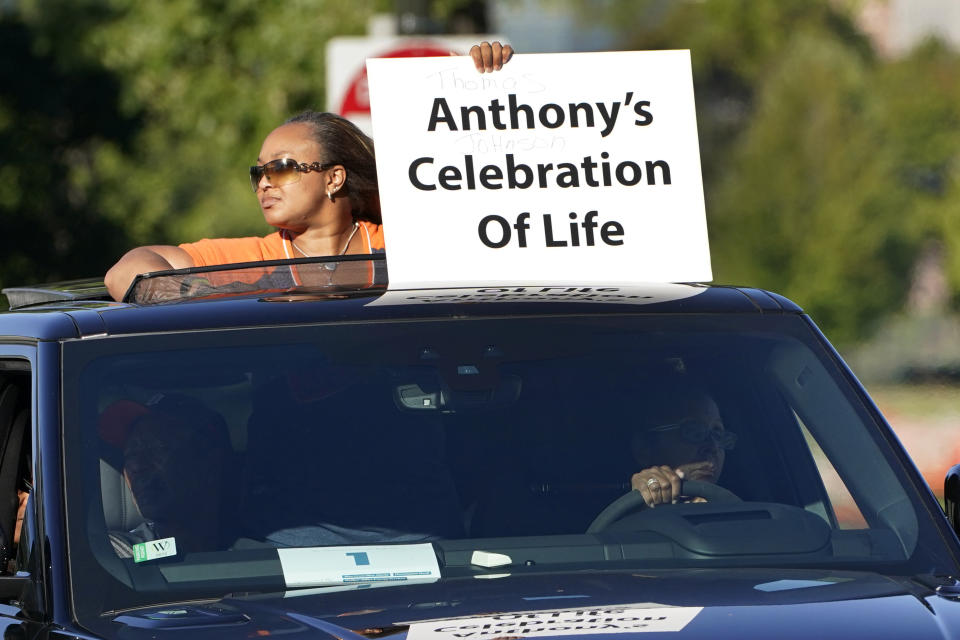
{"x":155,"y":549}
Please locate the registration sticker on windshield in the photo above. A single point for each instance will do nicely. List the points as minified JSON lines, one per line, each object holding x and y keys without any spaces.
{"x":154,"y":549}
{"x":631,"y":618}
{"x":317,"y":566}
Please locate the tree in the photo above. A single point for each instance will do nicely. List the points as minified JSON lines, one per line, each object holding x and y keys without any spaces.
{"x":826,"y":169}
{"x":211,"y":79}
{"x":203,"y":82}
{"x":55,"y":115}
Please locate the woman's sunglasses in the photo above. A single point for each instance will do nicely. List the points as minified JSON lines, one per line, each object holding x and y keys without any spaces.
{"x":696,"y":432}
{"x":284,"y":171}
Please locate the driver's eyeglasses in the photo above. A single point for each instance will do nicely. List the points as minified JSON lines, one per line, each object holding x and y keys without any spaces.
{"x":284,"y":171}
{"x":696,"y":432}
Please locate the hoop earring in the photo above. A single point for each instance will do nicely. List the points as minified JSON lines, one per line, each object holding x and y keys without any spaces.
{"x":330,"y":195}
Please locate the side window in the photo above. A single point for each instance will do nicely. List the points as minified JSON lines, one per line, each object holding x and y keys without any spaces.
{"x":16,"y":479}
{"x":845,"y":509}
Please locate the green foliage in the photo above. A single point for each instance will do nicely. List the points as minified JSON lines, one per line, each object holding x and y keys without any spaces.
{"x":55,"y":115}
{"x":207,"y":79}
{"x":825,"y":168}
{"x":922,"y":132}
{"x":804,"y":206}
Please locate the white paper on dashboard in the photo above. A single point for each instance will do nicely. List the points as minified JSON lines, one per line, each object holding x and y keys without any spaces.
{"x":317,"y":566}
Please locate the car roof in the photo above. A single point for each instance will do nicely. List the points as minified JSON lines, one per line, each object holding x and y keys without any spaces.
{"x":82,"y":308}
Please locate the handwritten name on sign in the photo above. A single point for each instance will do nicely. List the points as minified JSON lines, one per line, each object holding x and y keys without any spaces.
{"x":559,"y":168}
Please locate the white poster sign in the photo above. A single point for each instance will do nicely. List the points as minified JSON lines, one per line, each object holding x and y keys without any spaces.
{"x":561,"y":622}
{"x":560,"y":168}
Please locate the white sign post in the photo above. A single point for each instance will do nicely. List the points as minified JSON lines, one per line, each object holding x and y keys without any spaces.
{"x":560,"y":168}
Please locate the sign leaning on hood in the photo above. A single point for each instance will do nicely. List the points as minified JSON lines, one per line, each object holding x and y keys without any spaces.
{"x":569,"y":168}
{"x":631,"y":618}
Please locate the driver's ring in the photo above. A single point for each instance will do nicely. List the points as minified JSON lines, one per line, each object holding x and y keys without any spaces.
{"x":653,"y":482}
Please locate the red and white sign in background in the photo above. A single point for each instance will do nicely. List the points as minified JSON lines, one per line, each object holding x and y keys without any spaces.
{"x":347,"y":92}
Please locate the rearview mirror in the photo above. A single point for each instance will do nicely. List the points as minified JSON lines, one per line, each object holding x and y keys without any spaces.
{"x":412,"y":397}
{"x":951,"y":497}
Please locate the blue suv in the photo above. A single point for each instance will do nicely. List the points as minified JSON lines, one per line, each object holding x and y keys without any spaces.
{"x":256,"y":450}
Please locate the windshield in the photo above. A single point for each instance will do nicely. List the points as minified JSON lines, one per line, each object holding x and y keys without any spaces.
{"x":206,"y":463}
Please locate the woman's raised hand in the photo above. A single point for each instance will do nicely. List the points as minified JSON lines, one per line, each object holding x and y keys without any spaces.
{"x":489,"y":56}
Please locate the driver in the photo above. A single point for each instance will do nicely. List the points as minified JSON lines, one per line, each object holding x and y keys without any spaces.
{"x":681,"y":437}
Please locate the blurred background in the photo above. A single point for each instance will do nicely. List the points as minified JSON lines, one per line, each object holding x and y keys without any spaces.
{"x":829,"y":133}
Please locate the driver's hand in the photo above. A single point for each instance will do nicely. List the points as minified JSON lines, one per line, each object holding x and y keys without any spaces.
{"x":658,"y":485}
{"x":489,"y":57}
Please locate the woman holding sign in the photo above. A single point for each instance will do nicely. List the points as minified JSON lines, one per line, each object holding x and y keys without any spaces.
{"x":316,"y":183}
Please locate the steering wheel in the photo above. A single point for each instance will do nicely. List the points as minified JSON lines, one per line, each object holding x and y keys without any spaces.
{"x":633,"y":501}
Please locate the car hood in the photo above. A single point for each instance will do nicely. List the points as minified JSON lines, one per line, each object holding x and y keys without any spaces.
{"x":712,"y":603}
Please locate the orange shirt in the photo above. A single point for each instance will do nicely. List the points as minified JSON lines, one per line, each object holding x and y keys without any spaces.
{"x":275,"y":246}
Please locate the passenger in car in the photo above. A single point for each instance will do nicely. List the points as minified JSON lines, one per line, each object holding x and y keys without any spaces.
{"x":176,"y":461}
{"x":316,"y":182}
{"x":682,"y":437}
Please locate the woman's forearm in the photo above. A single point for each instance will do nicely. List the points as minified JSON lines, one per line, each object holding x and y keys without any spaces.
{"x":143,"y":260}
